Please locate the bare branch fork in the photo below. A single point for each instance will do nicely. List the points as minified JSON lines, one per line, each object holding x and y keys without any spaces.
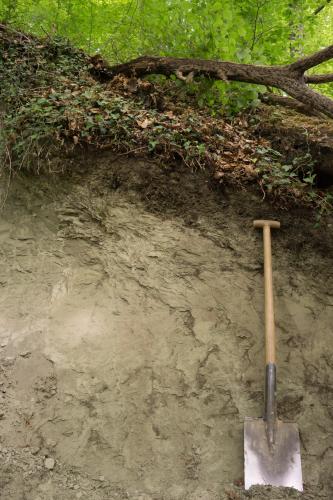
{"x":290,"y":78}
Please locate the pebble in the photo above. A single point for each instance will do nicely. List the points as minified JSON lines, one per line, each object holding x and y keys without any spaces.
{"x":9,"y":361}
{"x":4,"y":344}
{"x":25,"y":354}
{"x":49,"y":463}
{"x":50,"y":443}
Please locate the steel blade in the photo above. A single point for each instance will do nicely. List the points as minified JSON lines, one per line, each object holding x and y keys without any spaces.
{"x":276,"y":466}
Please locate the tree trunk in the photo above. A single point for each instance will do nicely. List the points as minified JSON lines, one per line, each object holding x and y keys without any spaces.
{"x":289,"y":78}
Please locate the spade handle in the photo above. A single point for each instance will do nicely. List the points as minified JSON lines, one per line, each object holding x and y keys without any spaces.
{"x":269,"y":304}
{"x":270,"y":415}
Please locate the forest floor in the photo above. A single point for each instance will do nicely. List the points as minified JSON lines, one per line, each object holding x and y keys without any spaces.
{"x":131,"y":326}
{"x":131,"y":336}
{"x":54,"y":104}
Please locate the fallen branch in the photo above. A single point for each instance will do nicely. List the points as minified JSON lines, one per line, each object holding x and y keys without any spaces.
{"x":288,"y":102}
{"x":290,"y":78}
{"x":319,"y":78}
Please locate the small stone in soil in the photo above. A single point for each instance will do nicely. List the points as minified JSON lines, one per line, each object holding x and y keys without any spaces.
{"x":49,"y":463}
{"x":50,"y":443}
{"x":8,"y":361}
{"x":25,"y":354}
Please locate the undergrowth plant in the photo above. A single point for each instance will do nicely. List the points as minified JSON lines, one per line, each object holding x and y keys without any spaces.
{"x":295,"y":179}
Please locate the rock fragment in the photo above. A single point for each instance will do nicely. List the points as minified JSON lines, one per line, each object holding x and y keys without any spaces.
{"x":49,"y":463}
{"x":25,"y":354}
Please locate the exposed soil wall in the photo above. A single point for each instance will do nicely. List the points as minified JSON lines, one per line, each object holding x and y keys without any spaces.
{"x":131,"y":335}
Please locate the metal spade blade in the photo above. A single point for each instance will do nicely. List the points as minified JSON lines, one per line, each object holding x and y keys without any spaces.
{"x":276,"y":465}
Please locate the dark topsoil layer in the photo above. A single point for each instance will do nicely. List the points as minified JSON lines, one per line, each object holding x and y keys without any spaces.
{"x":175,"y":191}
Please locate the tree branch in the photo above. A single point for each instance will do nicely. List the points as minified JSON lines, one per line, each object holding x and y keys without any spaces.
{"x":255,"y":26}
{"x":315,"y":59}
{"x":288,"y":102}
{"x":319,"y":78}
{"x":289,"y":78}
{"x":148,"y":65}
{"x":321,"y":7}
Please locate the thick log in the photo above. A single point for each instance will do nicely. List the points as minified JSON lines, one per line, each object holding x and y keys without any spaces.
{"x":289,"y":78}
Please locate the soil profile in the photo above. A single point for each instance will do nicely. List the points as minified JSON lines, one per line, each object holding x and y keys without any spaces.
{"x":131,"y":335}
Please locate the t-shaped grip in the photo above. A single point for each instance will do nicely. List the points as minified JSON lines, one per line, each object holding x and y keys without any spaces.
{"x":270,"y":223}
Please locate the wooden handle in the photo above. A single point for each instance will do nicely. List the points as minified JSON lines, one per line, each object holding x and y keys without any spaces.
{"x":269,"y":304}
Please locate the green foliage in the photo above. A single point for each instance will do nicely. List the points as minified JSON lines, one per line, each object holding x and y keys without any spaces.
{"x":248,"y":31}
{"x":295,"y":179}
{"x":34,"y":64}
{"x":236,"y":96}
{"x":52,"y":105}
